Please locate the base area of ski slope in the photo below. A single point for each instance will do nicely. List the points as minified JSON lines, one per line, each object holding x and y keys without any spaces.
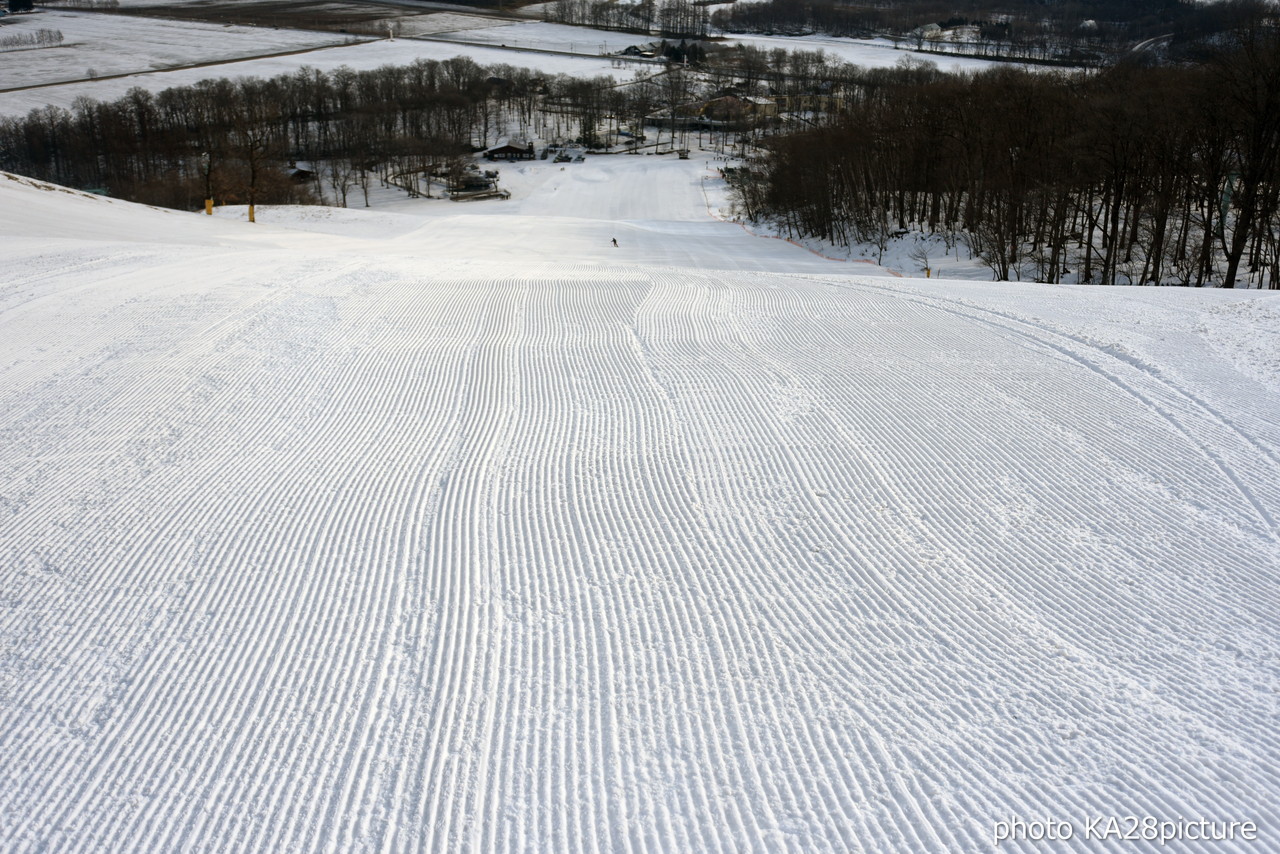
{"x":463,"y":531}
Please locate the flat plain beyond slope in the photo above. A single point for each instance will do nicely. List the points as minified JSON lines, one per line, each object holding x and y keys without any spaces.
{"x":167,"y":53}
{"x":454,"y":528}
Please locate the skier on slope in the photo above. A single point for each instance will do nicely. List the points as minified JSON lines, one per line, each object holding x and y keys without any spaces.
{"x":615,"y":241}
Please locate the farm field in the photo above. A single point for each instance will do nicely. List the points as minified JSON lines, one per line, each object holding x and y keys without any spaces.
{"x":869,"y":53}
{"x":366,"y":55}
{"x":453,"y":527}
{"x":92,"y":45}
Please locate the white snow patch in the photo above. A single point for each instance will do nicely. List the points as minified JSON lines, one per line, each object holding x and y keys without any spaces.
{"x":445,"y":527}
{"x":92,"y":46}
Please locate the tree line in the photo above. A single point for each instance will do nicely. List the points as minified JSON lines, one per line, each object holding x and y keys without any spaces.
{"x":40,"y":38}
{"x":1139,"y":175}
{"x":1079,"y":32}
{"x":668,"y":18}
{"x":95,"y":5}
{"x":232,"y":139}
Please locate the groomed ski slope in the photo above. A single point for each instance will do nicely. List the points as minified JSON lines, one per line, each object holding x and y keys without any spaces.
{"x":452,"y":528}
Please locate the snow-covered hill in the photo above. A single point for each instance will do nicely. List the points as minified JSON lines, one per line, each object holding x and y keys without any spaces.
{"x":454,"y":528}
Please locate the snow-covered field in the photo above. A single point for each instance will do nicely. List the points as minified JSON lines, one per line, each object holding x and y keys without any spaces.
{"x":447,"y":527}
{"x":869,"y":53}
{"x":446,"y":22}
{"x":94,"y":44}
{"x":367,"y":55}
{"x":555,"y":37}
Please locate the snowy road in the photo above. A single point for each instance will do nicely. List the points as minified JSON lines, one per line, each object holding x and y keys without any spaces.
{"x":472,"y":533}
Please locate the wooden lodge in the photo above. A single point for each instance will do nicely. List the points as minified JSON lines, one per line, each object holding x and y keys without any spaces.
{"x":515,"y":149}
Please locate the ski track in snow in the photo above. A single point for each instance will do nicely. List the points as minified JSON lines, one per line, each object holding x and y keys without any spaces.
{"x":316,"y":550}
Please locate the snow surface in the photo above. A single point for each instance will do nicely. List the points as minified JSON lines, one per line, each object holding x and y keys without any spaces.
{"x":364,"y":56}
{"x":869,"y":53}
{"x":451,"y":527}
{"x":93,"y":42}
{"x":92,"y":45}
{"x":547,"y":36}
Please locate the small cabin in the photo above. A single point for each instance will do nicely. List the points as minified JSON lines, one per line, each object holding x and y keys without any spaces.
{"x":512,"y":150}
{"x":301,"y":172}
